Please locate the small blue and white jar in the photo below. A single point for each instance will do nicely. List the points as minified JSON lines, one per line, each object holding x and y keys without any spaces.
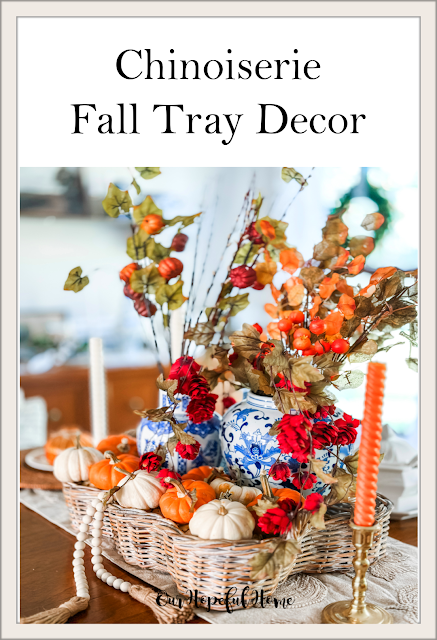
{"x":151,"y":434}
{"x":246,"y":442}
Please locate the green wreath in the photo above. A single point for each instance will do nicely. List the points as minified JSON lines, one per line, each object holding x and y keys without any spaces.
{"x":375,"y":194}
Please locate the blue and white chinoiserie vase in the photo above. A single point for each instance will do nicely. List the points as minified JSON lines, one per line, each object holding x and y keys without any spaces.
{"x":151,"y":434}
{"x":246,"y":442}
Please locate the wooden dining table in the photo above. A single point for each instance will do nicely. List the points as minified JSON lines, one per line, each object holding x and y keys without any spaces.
{"x":46,"y":553}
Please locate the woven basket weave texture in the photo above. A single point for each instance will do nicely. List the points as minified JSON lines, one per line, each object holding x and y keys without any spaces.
{"x":211,"y":569}
{"x":218,"y":570}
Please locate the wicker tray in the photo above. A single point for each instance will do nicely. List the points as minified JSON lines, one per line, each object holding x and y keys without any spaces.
{"x":139,"y":536}
{"x":210,"y":569}
{"x":78,"y":497}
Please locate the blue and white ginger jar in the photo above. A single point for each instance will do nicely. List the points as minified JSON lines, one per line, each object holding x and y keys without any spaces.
{"x":151,"y":434}
{"x":246,"y":442}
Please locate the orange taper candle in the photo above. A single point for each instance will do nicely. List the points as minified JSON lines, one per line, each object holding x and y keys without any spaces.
{"x":368,"y":459}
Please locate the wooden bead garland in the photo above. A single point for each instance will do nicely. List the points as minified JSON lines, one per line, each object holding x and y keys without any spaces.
{"x":95,"y":511}
{"x":94,"y":520}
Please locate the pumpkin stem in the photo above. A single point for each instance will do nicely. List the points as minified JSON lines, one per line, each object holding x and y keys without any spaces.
{"x":112,"y":456}
{"x":124,"y":447}
{"x":217,"y":472}
{"x":193,"y":497}
{"x":222,"y":511}
{"x":125,"y":472}
{"x":179,"y":486}
{"x":236,"y":475}
{"x":265,"y":485}
{"x":110,"y":493}
{"x":78,"y":445}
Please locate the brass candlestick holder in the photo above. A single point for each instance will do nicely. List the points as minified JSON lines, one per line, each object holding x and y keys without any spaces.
{"x":357,"y":611}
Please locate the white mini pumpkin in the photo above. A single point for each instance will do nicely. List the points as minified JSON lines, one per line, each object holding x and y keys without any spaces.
{"x":142,"y":491}
{"x":222,"y":520}
{"x":238,"y":494}
{"x":73,"y":463}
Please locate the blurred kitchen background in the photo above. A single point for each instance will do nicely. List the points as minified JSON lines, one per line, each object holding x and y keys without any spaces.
{"x":63,"y":225}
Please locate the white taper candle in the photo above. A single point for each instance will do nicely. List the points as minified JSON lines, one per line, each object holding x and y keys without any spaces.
{"x":97,"y":378}
{"x":177,"y":321}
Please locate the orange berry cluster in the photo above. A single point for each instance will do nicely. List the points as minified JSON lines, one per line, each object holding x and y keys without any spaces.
{"x":302,"y":337}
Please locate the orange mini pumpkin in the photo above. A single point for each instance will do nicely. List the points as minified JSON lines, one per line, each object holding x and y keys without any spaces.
{"x":205,"y":473}
{"x":152,"y":224}
{"x":176,"y":502}
{"x":104,"y":475}
{"x":64,"y":439}
{"x":118,"y":444}
{"x":281,"y":494}
{"x":199,"y":473}
{"x":127,"y":271}
{"x":170,"y":268}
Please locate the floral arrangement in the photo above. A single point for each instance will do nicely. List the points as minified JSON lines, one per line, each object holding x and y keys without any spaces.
{"x":322,"y":322}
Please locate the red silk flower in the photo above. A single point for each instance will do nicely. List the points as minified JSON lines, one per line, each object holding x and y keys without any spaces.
{"x":183,"y":370}
{"x":324,"y":434}
{"x":202,"y":409}
{"x":313,"y":502}
{"x":150,"y":462}
{"x":280,"y":471}
{"x":305,"y":481}
{"x":277,"y":521}
{"x":166,"y":473}
{"x":188,"y":451}
{"x":347,"y":429}
{"x":198,"y":387}
{"x":293,"y":437}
